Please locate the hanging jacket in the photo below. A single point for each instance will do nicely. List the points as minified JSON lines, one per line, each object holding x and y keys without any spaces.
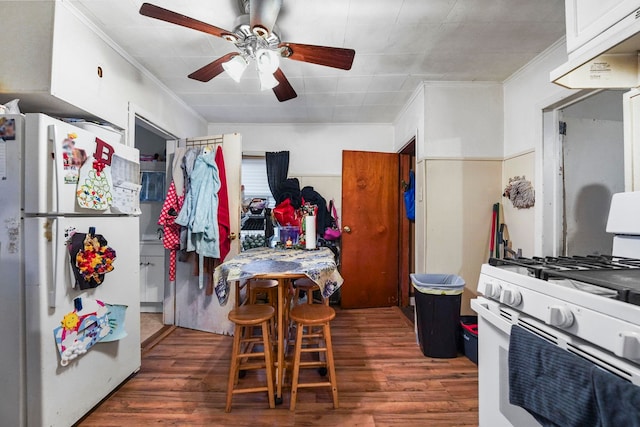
{"x":224,"y":224}
{"x":290,"y":189}
{"x":309,"y":195}
{"x":171,"y":231}
{"x":199,"y":213}
{"x":410,"y":197}
{"x":187,"y":164}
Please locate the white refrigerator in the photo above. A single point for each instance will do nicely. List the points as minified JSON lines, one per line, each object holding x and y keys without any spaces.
{"x":69,"y":269}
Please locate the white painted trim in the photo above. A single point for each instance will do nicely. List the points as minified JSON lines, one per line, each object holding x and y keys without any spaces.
{"x":417,"y":91}
{"x":460,"y":83}
{"x":465,"y":159}
{"x":315,"y":175}
{"x":516,"y":155}
{"x":324,"y":125}
{"x":539,"y":58}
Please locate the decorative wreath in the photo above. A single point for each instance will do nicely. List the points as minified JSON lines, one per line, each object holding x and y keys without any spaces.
{"x":520,"y":192}
{"x":95,"y":259}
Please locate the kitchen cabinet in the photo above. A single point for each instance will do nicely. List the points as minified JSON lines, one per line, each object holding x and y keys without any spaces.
{"x":587,"y":19}
{"x":603,"y":40}
{"x":151,"y":275}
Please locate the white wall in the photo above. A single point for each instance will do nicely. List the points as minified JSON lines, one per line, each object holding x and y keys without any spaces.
{"x":526,"y":94}
{"x":55,"y":55}
{"x":459,"y":148}
{"x":313,"y":149}
{"x":519,"y":230}
{"x":462,"y":120}
{"x":410,"y":122}
{"x":123,"y":84}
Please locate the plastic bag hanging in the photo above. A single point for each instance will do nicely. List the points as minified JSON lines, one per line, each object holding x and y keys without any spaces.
{"x":410,"y":197}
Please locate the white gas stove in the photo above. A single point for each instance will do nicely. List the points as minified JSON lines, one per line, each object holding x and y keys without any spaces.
{"x":589,"y":306}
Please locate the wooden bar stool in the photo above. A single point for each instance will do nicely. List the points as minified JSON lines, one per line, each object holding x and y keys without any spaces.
{"x":308,"y":286}
{"x":268,"y":287}
{"x":310,"y":315}
{"x":247,"y":317}
{"x":263,"y":286}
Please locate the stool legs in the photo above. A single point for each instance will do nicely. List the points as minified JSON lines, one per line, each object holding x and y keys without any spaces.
{"x":298,"y":364}
{"x":240,"y":361}
{"x":332,"y":367}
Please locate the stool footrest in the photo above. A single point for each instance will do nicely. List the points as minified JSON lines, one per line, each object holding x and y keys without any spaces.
{"x":313,"y":350}
{"x":251,"y":354}
{"x":312,"y":364}
{"x":323,"y":384}
{"x":249,"y":390}
{"x":252,"y":365}
{"x":251,"y":340}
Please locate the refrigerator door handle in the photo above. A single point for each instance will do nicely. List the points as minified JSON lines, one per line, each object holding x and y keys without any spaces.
{"x":55,"y":230}
{"x":57,"y":156}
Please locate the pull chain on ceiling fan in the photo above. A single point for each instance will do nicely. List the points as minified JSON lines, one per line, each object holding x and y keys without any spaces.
{"x":256,"y":37}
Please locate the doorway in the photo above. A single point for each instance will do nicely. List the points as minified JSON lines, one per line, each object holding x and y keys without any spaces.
{"x":587,"y":169}
{"x":151,"y":141}
{"x":407,"y":226}
{"x":378,"y":238}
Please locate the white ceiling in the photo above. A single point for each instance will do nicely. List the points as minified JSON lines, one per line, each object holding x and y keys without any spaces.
{"x":398,"y":43}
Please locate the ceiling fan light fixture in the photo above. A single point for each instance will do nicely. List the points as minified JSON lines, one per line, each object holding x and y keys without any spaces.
{"x":260,"y":31}
{"x":267,"y":61}
{"x":232,"y":38}
{"x":235,"y":67}
{"x":267,"y":80}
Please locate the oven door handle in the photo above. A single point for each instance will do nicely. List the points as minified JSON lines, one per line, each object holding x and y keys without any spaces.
{"x":482,"y":307}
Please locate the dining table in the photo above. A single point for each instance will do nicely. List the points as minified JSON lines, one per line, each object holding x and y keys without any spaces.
{"x":283,"y":265}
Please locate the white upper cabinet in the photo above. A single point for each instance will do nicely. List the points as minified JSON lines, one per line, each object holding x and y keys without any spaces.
{"x":587,"y":19}
{"x":603,"y":41}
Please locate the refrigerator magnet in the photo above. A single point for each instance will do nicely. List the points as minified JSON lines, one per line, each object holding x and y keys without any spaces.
{"x":72,"y":158}
{"x":91,"y":258}
{"x":81,"y":329}
{"x":95,"y":184}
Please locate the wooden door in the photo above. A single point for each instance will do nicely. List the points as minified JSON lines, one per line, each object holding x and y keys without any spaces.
{"x":186,"y":304}
{"x":370,"y":238}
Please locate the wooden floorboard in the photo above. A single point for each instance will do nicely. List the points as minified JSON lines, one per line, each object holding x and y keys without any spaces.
{"x":383,"y":380}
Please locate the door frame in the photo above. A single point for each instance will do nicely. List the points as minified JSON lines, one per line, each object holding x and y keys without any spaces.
{"x":406,"y":232}
{"x":137,"y":116}
{"x":549,"y":174}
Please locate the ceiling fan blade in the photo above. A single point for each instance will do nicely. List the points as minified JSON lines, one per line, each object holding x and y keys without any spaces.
{"x":335,"y":57}
{"x":263,"y":15}
{"x":284,"y":91}
{"x":157,"y":12}
{"x":212,"y":69}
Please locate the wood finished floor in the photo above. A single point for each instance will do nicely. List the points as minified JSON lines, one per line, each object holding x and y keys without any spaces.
{"x":383,"y":380}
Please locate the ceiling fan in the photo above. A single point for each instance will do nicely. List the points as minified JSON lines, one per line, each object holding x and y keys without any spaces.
{"x":256,"y":37}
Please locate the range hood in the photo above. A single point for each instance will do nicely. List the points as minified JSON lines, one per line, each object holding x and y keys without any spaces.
{"x":608,"y":61}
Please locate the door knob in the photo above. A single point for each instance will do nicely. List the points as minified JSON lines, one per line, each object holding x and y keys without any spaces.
{"x":233,"y":236}
{"x":346,"y":229}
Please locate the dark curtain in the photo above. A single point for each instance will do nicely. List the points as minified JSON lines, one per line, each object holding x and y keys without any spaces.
{"x":277,"y":171}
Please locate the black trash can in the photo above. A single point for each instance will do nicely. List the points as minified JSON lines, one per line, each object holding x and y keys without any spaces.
{"x":438,"y":298}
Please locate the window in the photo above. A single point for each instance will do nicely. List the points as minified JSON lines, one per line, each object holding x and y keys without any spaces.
{"x":254,"y":179}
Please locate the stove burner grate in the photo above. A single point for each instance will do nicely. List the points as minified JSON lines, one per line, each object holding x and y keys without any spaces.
{"x":617,"y":273}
